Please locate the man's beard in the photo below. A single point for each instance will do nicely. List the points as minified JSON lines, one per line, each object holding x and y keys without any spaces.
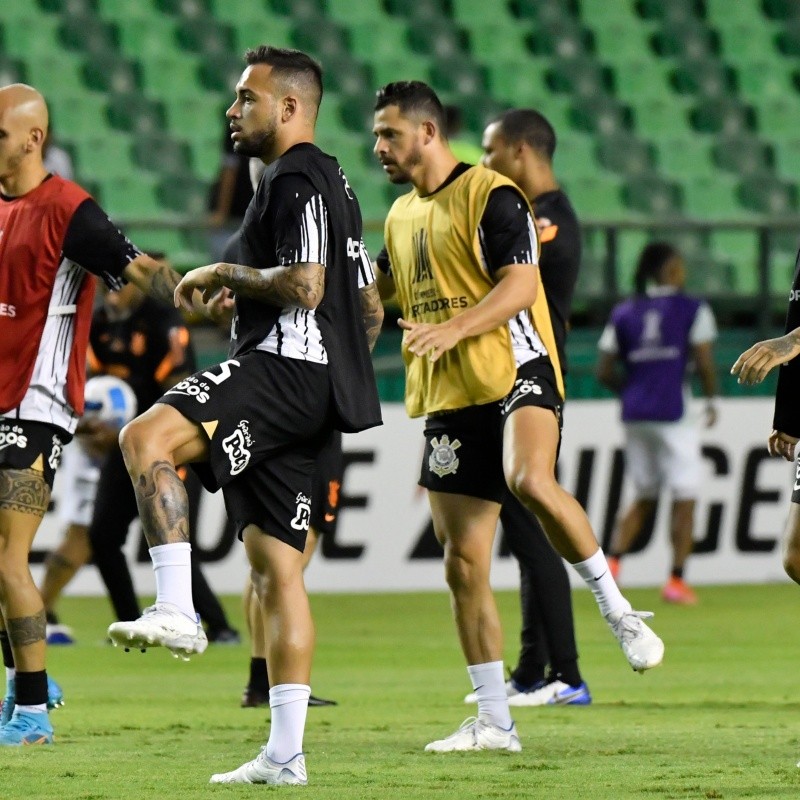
{"x":257,"y":145}
{"x":403,"y":172}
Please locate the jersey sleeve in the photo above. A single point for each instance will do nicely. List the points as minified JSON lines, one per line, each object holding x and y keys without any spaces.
{"x":704,"y":327}
{"x":96,"y":244}
{"x":297,"y":217}
{"x":366,"y":275}
{"x":383,"y":263}
{"x":507,"y":232}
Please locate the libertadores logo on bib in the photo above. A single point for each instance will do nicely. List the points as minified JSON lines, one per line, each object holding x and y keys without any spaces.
{"x":236,"y":446}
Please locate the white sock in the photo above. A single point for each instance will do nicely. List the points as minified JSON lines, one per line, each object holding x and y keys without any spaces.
{"x":599,"y":579}
{"x":490,"y":687}
{"x":288,"y":703}
{"x":173,"y":571}
{"x":11,"y":673}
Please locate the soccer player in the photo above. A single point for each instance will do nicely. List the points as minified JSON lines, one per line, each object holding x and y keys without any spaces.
{"x":481,"y":364}
{"x":53,"y":237}
{"x":307,"y":313}
{"x":147,"y":345}
{"x":752,"y":366}
{"x":520,"y":144}
{"x":655,"y":336}
{"x":328,"y":471}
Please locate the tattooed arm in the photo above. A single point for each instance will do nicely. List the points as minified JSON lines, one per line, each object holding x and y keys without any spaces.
{"x":371,"y":312}
{"x":758,"y":361}
{"x":295,"y":286}
{"x":155,"y":278}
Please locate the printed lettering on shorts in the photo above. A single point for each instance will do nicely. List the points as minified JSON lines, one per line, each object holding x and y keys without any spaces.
{"x":56,"y":451}
{"x":443,"y":459}
{"x":522,"y":388}
{"x":796,"y":487}
{"x":199,"y":389}
{"x":12,"y":436}
{"x":236,"y":446}
{"x":302,"y":516}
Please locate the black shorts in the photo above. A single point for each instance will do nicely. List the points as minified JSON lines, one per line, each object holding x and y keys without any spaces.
{"x":796,"y":485}
{"x":464,"y":449}
{"x":267,"y":418}
{"x":32,"y":445}
{"x":328,"y":473}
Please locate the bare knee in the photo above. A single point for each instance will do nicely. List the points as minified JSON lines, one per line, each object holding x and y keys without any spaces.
{"x":533,"y":487}
{"x":464,"y":571}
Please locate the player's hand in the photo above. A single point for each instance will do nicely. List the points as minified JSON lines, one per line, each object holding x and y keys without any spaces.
{"x":96,"y":437}
{"x":781,"y":444}
{"x":757,"y":362}
{"x":430,"y":339}
{"x":206,"y":280}
{"x":221,"y":306}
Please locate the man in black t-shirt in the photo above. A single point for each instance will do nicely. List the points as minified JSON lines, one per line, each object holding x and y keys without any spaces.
{"x":520,"y":145}
{"x":307,"y":313}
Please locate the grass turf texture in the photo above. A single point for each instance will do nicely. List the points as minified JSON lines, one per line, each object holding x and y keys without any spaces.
{"x":718,"y":720}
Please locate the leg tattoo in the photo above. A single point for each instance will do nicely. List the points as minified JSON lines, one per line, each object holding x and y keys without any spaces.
{"x":23,"y":631}
{"x":163,"y":505}
{"x":24,"y":491}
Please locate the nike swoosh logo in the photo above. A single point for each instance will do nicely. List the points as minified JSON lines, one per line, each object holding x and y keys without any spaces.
{"x":600,"y":576}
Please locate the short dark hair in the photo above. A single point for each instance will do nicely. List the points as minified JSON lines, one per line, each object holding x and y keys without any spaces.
{"x":294,"y":67}
{"x":413,"y":97}
{"x":531,"y":127}
{"x":651,"y":260}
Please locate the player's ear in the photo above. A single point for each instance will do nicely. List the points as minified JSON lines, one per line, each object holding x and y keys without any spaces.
{"x":430,"y":130}
{"x":289,"y":108}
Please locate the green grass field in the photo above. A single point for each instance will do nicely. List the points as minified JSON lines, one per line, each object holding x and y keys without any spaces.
{"x":720,"y":718}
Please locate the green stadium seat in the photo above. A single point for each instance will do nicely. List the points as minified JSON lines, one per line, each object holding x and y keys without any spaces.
{"x":411,"y":67}
{"x":477,"y":110}
{"x":652,"y":194}
{"x":580,"y":76}
{"x":78,"y":116}
{"x":162,"y":154}
{"x":330,"y":40}
{"x":711,"y":197}
{"x":685,"y":40}
{"x":132,"y":196}
{"x":121,"y":10}
{"x":205,"y":35}
{"x":30,"y":37}
{"x":566,"y":40}
{"x":494,"y":38}
{"x":625,"y":154}
{"x":145,"y":37}
{"x":221,"y":73}
{"x":765,"y":80}
{"x":458,"y":74}
{"x":742,"y":44}
{"x":787,"y":156}
{"x":674,"y":11}
{"x":104,"y":72}
{"x":188,"y":9}
{"x":554,"y":12}
{"x":662,"y":117}
{"x":73,"y":7}
{"x":722,"y":116}
{"x":740,"y":248}
{"x":379,"y":39}
{"x":135,"y":113}
{"x":780,"y":9}
{"x":519,"y":87}
{"x":783,"y":247}
{"x":28,"y":12}
{"x":206,"y":153}
{"x":301,"y":9}
{"x":184,"y":195}
{"x":709,"y":276}
{"x":170,"y":74}
{"x":788,"y":40}
{"x":780,"y":117}
{"x":595,"y":197}
{"x":620,"y":42}
{"x":351,"y":13}
{"x":642,"y":78}
{"x":346,"y":75}
{"x":682,"y":158}
{"x":437,"y":37}
{"x":706,"y":76}
{"x":89,"y":33}
{"x":742,"y":12}
{"x":101,"y":158}
{"x":743,"y":155}
{"x":198,"y":117}
{"x":600,"y":114}
{"x":423,"y":8}
{"x":473,"y":12}
{"x":254,"y":31}
{"x":232,"y":10}
{"x":12,"y":70}
{"x":356,"y":112}
{"x":768,"y":195}
{"x":597,"y":13}
{"x":56,"y":73}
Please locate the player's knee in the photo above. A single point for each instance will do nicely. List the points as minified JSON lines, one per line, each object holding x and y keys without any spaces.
{"x":134,"y":440}
{"x":532,"y":486}
{"x":462,"y":570}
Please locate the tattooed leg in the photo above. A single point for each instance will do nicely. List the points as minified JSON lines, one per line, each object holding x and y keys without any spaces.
{"x":163,"y":504}
{"x":24,"y":496}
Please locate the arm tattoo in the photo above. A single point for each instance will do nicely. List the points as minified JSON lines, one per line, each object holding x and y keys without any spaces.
{"x":297,"y":286}
{"x":371,"y":312}
{"x":163,"y":283}
{"x":24,"y":491}
{"x":784,"y":347}
{"x":163,"y":504}
{"x":23,"y":631}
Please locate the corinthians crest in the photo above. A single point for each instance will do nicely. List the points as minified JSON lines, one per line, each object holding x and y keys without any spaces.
{"x":443,"y":460}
